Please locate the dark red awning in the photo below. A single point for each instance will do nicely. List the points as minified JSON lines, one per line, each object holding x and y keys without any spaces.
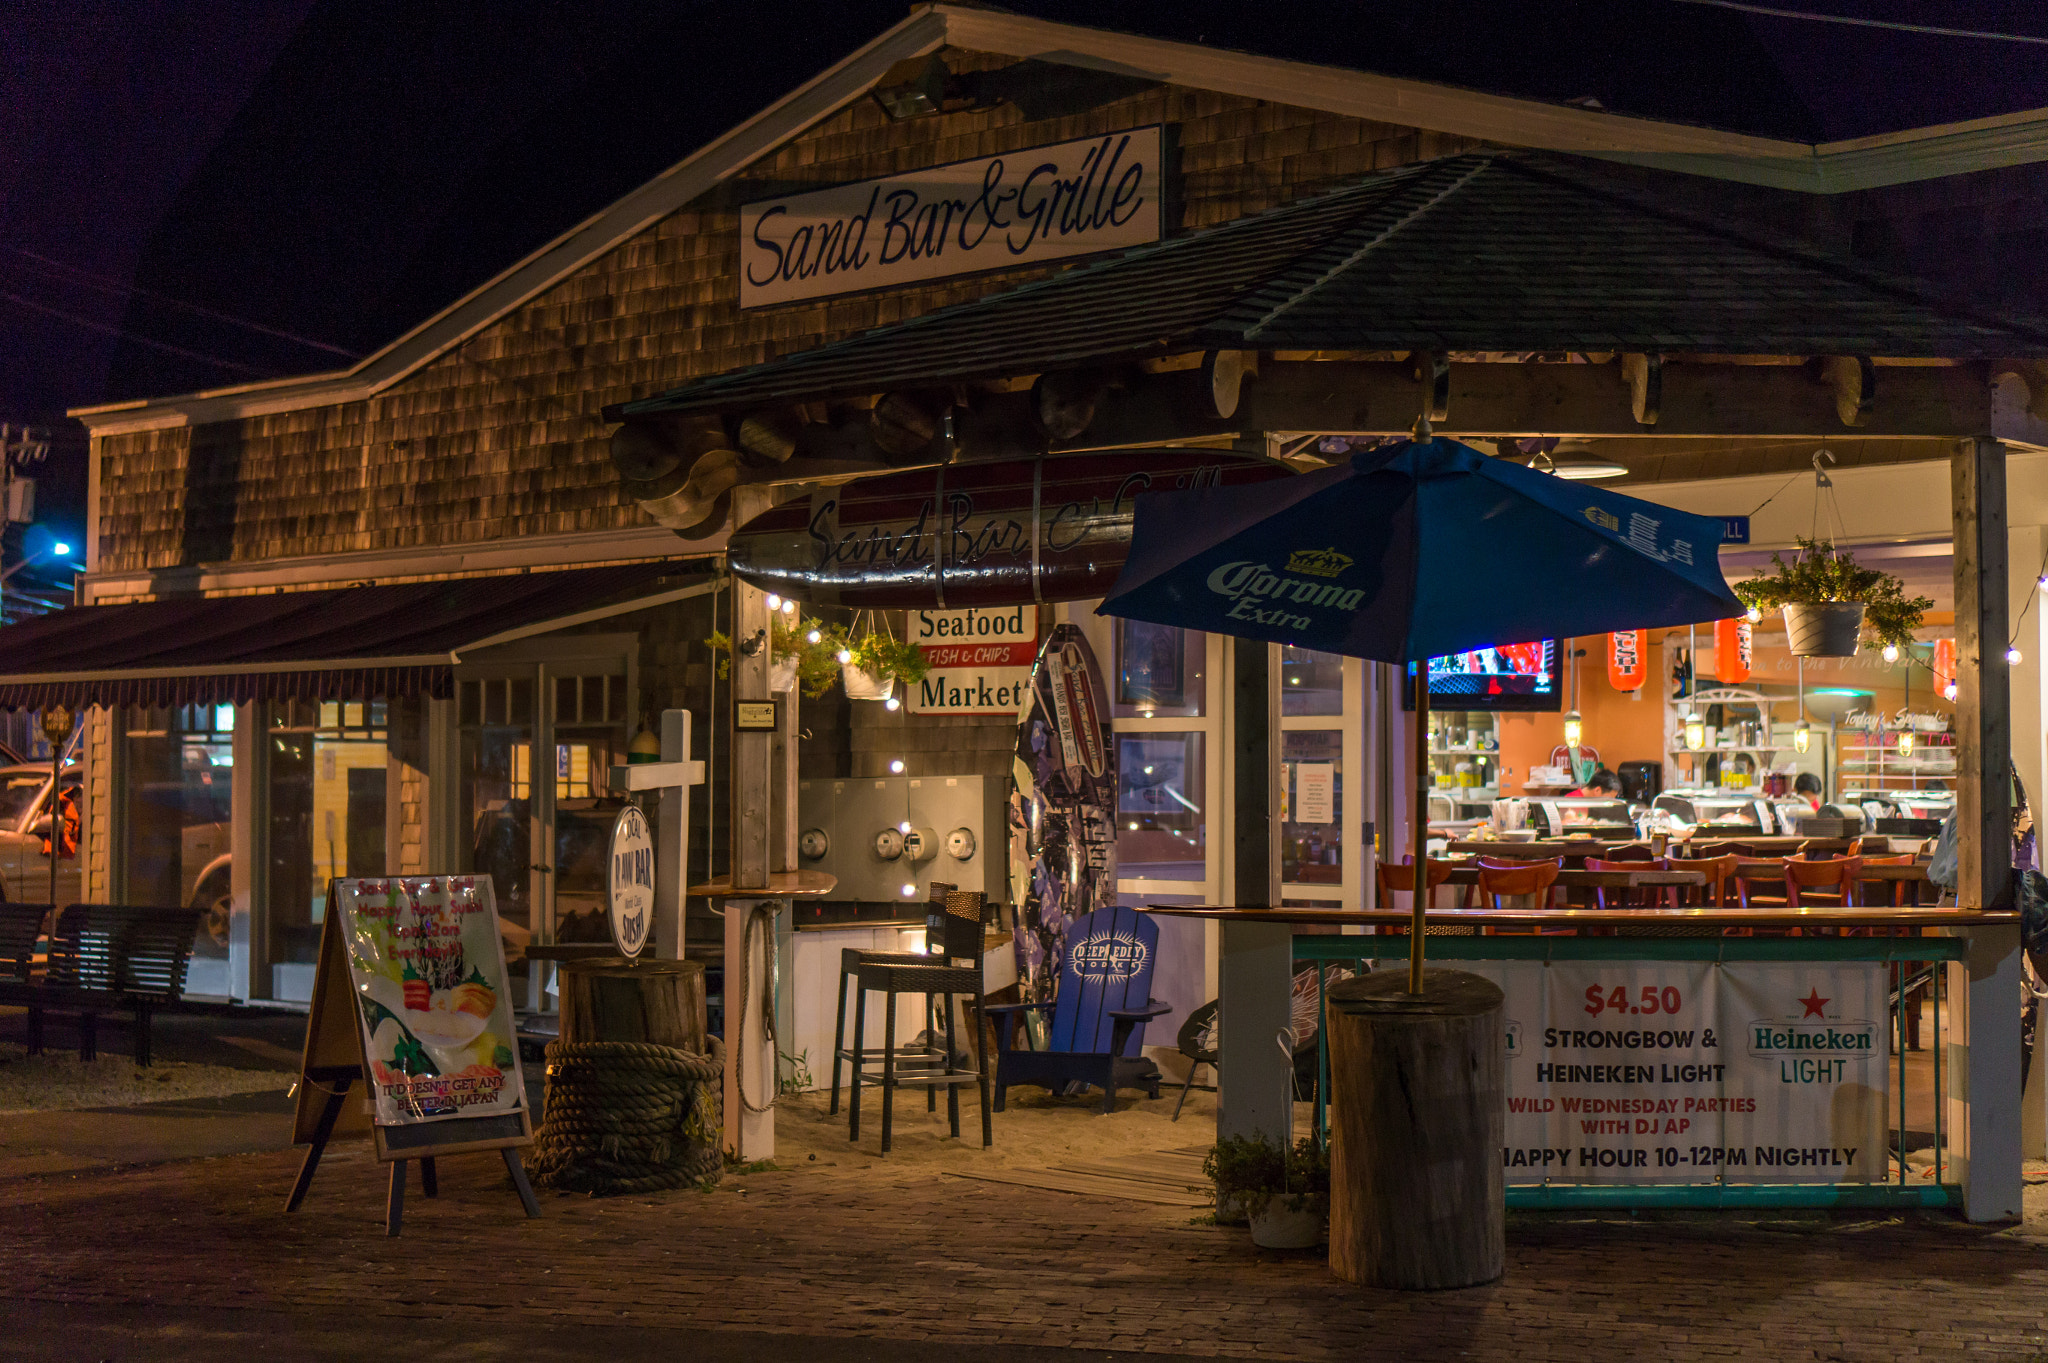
{"x":335,"y":643}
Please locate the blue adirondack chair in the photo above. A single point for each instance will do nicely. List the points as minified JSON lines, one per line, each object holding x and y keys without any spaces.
{"x":1099,"y":1010}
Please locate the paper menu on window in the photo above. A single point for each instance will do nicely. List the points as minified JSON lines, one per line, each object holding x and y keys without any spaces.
{"x":1315,"y":792}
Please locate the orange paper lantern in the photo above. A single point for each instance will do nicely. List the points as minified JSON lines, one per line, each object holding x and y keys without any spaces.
{"x":1731,"y":651}
{"x":1626,"y":666}
{"x":1944,"y":665}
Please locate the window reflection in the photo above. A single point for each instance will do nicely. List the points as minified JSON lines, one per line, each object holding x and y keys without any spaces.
{"x":1161,"y":832}
{"x":1159,"y":671}
{"x":1311,"y":683}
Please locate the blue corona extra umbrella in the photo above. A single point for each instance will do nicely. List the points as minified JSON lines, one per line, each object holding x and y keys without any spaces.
{"x":1416,"y":551}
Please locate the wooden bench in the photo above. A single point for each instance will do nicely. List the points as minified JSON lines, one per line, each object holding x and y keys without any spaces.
{"x":100,"y":958}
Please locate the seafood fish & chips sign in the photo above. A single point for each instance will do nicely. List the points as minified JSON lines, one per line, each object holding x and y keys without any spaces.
{"x":1019,"y":208}
{"x":427,"y":969}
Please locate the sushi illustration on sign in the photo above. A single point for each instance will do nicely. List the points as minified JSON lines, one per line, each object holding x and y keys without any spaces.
{"x":629,"y":882}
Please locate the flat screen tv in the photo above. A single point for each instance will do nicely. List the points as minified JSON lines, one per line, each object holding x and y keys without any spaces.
{"x":1504,"y":677}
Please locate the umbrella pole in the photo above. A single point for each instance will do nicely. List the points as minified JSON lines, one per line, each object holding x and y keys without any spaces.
{"x":1420,"y":895}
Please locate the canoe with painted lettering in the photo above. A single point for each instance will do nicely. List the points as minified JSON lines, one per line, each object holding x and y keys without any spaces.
{"x":994,"y":534}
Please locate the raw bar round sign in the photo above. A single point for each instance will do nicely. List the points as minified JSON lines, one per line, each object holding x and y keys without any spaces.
{"x":629,"y":882}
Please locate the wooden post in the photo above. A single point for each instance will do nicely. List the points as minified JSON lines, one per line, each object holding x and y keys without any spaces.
{"x":748,"y":1052}
{"x":1419,"y":820}
{"x":1418,"y":1084}
{"x":672,"y":843}
{"x":660,"y":1002}
{"x":1985,"y":1116}
{"x":1255,"y":1092}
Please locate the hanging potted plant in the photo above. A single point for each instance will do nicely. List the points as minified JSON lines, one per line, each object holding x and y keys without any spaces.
{"x":1285,"y":1197}
{"x":871,"y":662}
{"x":803,"y":653}
{"x":1828,"y":600}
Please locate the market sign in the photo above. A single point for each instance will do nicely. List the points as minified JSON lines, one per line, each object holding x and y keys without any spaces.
{"x":980,"y":660}
{"x":629,"y":882}
{"x":1042,"y":203}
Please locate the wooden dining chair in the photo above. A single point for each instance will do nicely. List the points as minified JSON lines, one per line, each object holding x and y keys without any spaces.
{"x":1831,"y":883}
{"x":1646,"y":897}
{"x":1900,"y":893}
{"x":1630,"y":851}
{"x":1759,"y":871}
{"x":1504,"y":880}
{"x":1718,"y":871}
{"x":1401,"y":879}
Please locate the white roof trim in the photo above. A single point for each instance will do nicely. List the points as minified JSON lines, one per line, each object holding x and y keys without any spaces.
{"x":1830,"y":168}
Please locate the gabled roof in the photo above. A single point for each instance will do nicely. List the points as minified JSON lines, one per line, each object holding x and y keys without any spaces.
{"x":1828,"y":168}
{"x":1482,"y":252}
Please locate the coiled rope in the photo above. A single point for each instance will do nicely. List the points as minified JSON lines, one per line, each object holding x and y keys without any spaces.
{"x":628,"y":1117}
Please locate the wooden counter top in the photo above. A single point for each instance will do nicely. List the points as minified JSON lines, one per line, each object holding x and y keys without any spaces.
{"x":1886,"y":918}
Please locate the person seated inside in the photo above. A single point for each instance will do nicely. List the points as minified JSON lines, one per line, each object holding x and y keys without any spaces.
{"x":1807,"y":787}
{"x":1601,"y":785}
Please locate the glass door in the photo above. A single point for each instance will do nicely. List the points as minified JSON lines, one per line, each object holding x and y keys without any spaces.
{"x":1321,"y":743}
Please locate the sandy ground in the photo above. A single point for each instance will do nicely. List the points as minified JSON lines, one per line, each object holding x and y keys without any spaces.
{"x":58,"y":1081}
{"x":1035,"y":1131}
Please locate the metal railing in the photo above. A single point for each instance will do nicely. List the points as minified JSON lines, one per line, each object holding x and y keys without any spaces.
{"x":1917,"y":963}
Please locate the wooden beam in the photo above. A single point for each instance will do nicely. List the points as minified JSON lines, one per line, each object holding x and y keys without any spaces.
{"x":1255,"y":1087}
{"x":1983,"y":1109}
{"x":1983,"y":697}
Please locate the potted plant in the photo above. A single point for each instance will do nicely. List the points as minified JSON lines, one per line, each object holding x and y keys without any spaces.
{"x":1285,"y":1197}
{"x":803,"y":653}
{"x":1827,"y":599}
{"x":871,"y":662}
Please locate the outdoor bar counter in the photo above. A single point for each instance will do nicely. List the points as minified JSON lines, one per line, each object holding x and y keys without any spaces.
{"x":1680,"y":1057}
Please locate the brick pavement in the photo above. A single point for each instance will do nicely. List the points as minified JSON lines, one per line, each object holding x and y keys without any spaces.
{"x":898,"y":1253}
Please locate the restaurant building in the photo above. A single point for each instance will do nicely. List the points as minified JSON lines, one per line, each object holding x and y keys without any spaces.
{"x":405,"y":616}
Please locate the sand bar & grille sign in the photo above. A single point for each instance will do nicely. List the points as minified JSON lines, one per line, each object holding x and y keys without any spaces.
{"x":1041,"y":203}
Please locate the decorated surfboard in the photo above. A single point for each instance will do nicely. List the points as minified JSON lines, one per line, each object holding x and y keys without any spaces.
{"x":1062,"y":808}
{"x":995,"y":534}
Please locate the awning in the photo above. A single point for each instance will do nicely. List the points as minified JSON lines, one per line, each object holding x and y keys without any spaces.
{"x":340,"y":643}
{"x":1488,"y":252}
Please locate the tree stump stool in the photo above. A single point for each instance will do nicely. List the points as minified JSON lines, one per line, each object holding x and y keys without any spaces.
{"x":612,"y":999}
{"x":1417,"y":1087}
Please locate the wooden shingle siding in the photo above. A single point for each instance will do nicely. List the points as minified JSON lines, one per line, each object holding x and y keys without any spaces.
{"x":501,"y":436}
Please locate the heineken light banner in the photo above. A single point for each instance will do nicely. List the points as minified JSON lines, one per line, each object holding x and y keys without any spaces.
{"x":1020,"y":208}
{"x":1692,"y":1072}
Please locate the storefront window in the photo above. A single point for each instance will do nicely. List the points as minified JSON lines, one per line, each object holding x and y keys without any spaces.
{"x":1159,"y":671}
{"x":1311,"y":683}
{"x":590,"y":735}
{"x":328,"y":774}
{"x":1312,"y":807}
{"x":175,"y":825}
{"x":496,"y":719}
{"x":1161,"y":828}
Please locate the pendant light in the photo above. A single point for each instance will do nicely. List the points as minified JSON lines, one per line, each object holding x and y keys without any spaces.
{"x":1802,"y":733}
{"x":1695,"y":726}
{"x":1574,"y":727}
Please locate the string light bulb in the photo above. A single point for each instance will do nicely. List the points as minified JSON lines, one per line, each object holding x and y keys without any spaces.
{"x":1695,"y":730}
{"x":1574,"y":729}
{"x":1949,"y":692}
{"x":789,"y":608}
{"x":1802,"y":736}
{"x":896,"y":766}
{"x":892,"y":704}
{"x":1755,"y":614}
{"x":2012,"y":656}
{"x":814,"y":637}
{"x":774,"y":602}
{"x":842,"y":657}
{"x":1890,"y":652}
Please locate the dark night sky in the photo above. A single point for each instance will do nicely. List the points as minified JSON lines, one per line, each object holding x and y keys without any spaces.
{"x":338,"y":171}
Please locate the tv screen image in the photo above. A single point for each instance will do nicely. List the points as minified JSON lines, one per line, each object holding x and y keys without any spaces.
{"x":1497,"y":677}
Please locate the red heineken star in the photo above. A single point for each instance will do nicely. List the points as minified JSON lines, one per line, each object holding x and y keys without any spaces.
{"x":1814,"y":1003}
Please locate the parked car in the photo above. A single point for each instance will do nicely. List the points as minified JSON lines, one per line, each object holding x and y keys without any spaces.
{"x":25,"y":789}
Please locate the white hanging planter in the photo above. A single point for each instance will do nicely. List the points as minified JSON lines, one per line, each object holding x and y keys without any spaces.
{"x":1285,"y":1225}
{"x":782,"y":674}
{"x":864,"y":686}
{"x":1823,"y":629}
